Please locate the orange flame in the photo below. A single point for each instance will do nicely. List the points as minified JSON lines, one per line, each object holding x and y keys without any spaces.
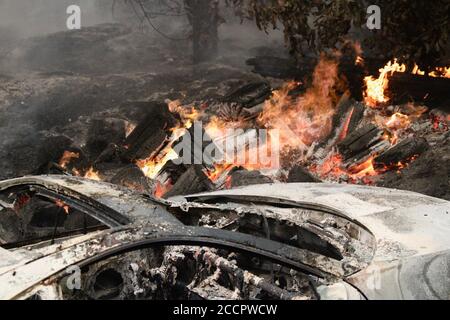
{"x":376,"y":87}
{"x":92,"y":174}
{"x":153,"y":165}
{"x":333,"y":167}
{"x":309,"y":118}
{"x":68,"y":157}
{"x":162,"y":188}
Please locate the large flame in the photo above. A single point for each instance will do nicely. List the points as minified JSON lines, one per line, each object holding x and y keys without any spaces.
{"x":308,"y":118}
{"x":299,"y":120}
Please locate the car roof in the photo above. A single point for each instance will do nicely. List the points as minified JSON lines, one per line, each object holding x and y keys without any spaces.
{"x":128,"y":204}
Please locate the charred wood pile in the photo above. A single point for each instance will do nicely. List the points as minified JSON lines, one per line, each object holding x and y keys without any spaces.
{"x":332,"y":127}
{"x":362,"y":145}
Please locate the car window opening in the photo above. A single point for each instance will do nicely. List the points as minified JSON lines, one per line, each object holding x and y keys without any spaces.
{"x":27,"y":218}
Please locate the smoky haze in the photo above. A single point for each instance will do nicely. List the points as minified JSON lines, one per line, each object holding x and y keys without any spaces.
{"x":29,"y":18}
{"x":130,"y":43}
{"x":36,"y":17}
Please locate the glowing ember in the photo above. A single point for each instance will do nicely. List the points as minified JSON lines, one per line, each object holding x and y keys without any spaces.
{"x":162,"y":188}
{"x":68,"y":157}
{"x":333,"y":168}
{"x":440,"y":123}
{"x":228,"y":182}
{"x":218,"y":171}
{"x":92,"y":174}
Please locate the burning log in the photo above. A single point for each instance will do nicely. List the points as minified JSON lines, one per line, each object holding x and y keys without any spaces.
{"x":194,"y":180}
{"x":406,"y":87}
{"x":171,"y":171}
{"x":246,"y":102}
{"x":402,"y":151}
{"x":151,"y":134}
{"x":361,"y":143}
{"x":111,"y":154}
{"x":349,"y":114}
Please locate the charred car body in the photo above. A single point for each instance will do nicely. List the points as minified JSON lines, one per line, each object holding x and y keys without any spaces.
{"x":71,"y":238}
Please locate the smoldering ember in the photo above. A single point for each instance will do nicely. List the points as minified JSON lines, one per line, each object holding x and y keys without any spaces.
{"x":321,"y":172}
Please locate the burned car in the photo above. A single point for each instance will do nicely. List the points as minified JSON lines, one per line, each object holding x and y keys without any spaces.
{"x":64,"y":237}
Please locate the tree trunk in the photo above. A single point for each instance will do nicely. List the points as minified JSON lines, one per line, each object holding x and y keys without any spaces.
{"x":204,"y":17}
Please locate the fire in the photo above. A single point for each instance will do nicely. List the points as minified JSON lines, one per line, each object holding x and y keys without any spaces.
{"x":63,"y":205}
{"x":398,"y":121}
{"x":333,"y":167}
{"x":92,"y":174}
{"x":375,"y":87}
{"x":152,"y":166}
{"x":218,"y":171}
{"x":439,"y":72}
{"x":68,"y":157}
{"x":188,"y":115}
{"x":307,"y":119}
{"x":300,"y":121}
{"x":162,"y":188}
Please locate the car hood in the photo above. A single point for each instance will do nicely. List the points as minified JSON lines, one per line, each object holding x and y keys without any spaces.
{"x":410,"y":229}
{"x":404,"y":223}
